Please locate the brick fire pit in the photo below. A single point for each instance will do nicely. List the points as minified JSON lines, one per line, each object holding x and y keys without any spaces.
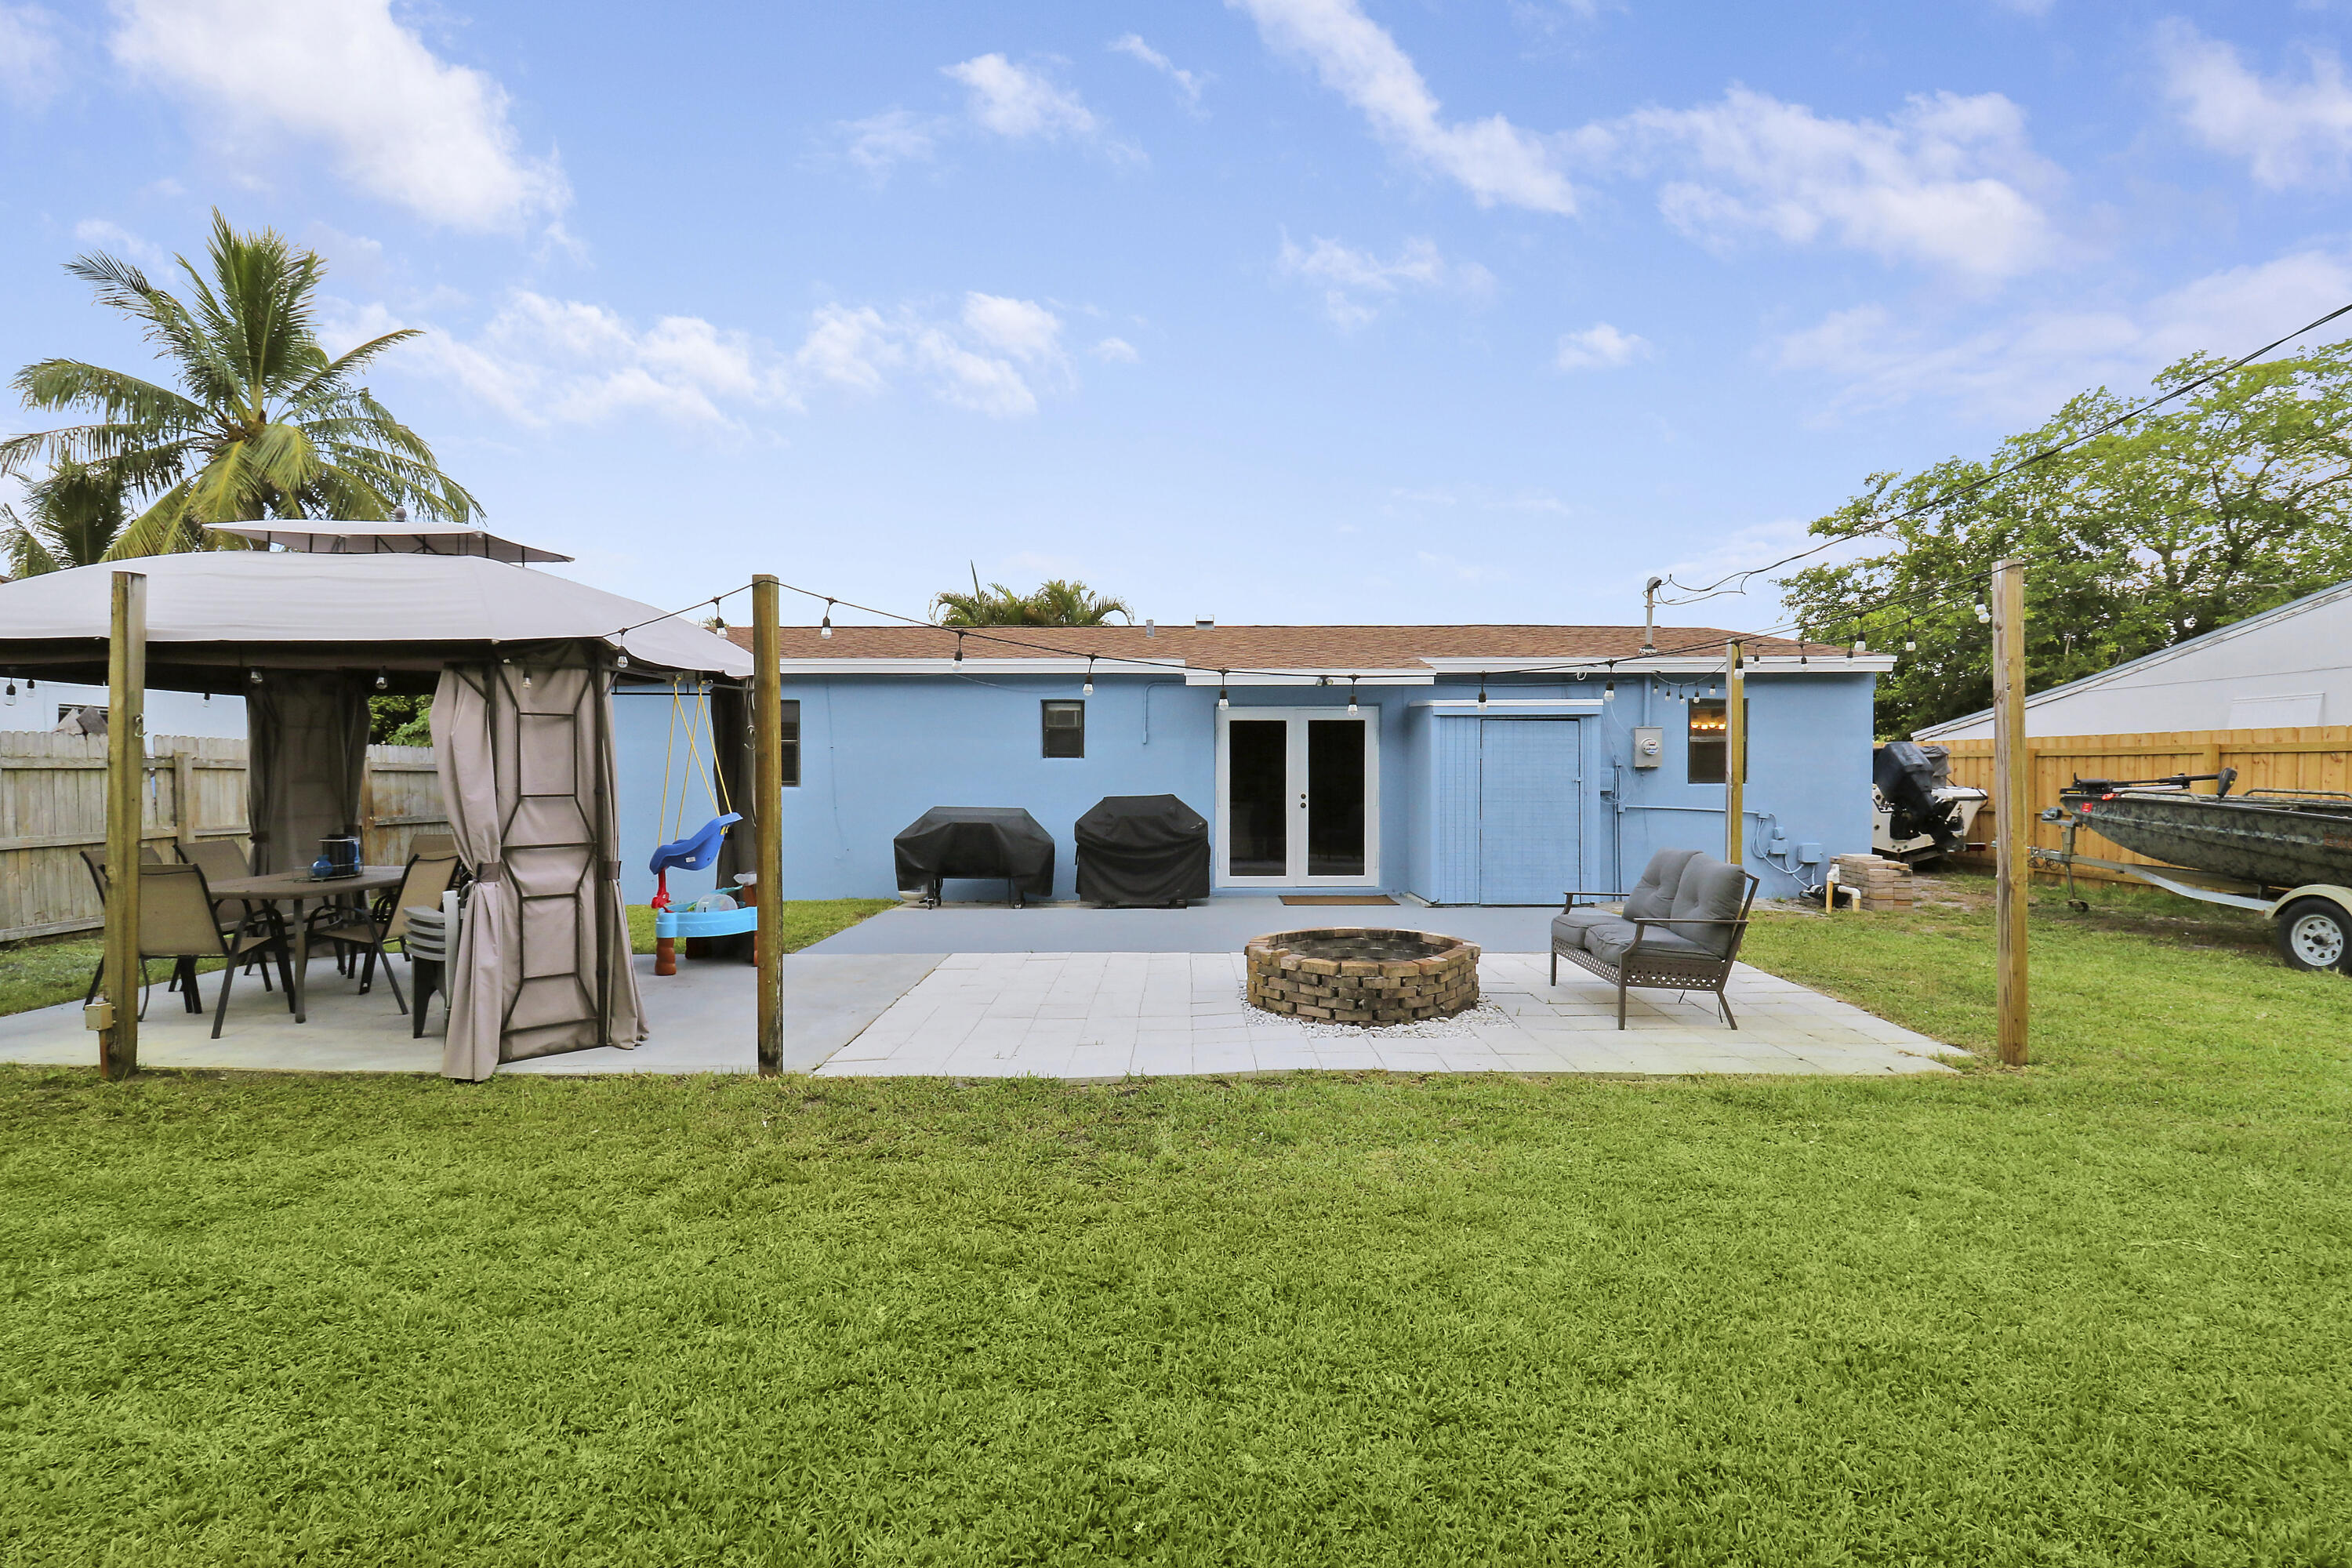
{"x":1352,"y":976}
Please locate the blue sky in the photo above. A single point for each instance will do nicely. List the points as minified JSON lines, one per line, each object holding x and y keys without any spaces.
{"x":1267,"y":309}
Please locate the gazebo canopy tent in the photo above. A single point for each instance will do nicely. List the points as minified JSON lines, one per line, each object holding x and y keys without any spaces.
{"x":522,"y":666}
{"x":399,"y":538}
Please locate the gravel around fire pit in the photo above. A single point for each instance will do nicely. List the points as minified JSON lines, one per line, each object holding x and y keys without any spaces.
{"x":1361,"y":976}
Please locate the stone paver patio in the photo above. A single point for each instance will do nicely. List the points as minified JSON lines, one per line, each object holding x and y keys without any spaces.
{"x":1110,"y":1014}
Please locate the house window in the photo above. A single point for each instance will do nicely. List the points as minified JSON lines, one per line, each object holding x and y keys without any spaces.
{"x":791,"y":729}
{"x":1707,"y":723}
{"x":1065,"y":728}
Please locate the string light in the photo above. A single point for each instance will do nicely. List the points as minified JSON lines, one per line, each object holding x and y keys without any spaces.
{"x":1983,"y":614}
{"x":1910,"y":646}
{"x":1609,"y":692}
{"x":12,"y":694}
{"x":824,"y":627}
{"x":1482,"y":692}
{"x":380,"y":681}
{"x":959,"y":654}
{"x":253,"y":677}
{"x":1088,"y":688}
{"x":1351,"y":695}
{"x":1223,"y":700}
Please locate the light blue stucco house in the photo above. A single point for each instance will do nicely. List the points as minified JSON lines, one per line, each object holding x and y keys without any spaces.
{"x":1459,"y":765}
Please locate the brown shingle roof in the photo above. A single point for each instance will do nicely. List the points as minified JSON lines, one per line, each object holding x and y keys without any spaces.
{"x":1270,"y":648}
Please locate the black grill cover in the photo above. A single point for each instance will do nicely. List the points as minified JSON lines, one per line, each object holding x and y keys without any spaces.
{"x":1142,"y":849}
{"x":976,"y":841}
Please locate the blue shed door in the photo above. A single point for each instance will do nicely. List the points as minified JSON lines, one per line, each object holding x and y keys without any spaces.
{"x":1527,"y":792}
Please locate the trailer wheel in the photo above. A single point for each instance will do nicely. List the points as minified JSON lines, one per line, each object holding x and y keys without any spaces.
{"x":2315,"y":934}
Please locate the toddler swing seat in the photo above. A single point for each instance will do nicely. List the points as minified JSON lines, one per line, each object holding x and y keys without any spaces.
{"x":694,"y":852}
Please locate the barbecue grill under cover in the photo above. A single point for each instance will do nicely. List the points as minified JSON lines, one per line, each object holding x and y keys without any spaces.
{"x":976,"y":841}
{"x":1147,"y":849}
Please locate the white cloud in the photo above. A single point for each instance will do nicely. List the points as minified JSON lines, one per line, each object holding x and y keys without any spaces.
{"x":1600,"y":347}
{"x":1949,"y":181}
{"x":547,"y":361}
{"x":1022,"y":328}
{"x":1186,"y":82}
{"x":2290,"y":133}
{"x":121,"y":241}
{"x":1492,"y":159}
{"x":399,"y":121}
{"x":542,"y":361}
{"x":879,"y":143}
{"x":32,"y":67}
{"x":1017,"y":103}
{"x":1116,"y":350}
{"x":1356,"y":282}
{"x":2021,"y":371}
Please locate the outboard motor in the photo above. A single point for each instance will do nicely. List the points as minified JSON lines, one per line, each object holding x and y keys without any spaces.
{"x":1907,"y":775}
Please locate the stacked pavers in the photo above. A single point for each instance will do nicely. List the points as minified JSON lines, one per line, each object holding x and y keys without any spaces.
{"x":1361,"y":989}
{"x":1878,"y":884}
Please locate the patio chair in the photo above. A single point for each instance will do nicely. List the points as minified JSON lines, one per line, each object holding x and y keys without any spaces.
{"x":96,"y":860}
{"x":176,"y":921}
{"x":367,"y":931}
{"x":1690,"y":945}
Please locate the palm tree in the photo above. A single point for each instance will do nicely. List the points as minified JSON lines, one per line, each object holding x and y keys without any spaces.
{"x":267,"y":423}
{"x":71,"y":519}
{"x":1055,"y":602}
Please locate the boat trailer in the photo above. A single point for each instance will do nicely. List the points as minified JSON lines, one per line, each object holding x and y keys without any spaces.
{"x":2312,"y":923}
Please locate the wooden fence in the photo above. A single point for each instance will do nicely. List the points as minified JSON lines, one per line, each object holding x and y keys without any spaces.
{"x":53,"y":807}
{"x":2317,"y":757}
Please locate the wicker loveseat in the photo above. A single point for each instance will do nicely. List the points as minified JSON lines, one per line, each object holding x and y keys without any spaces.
{"x":1680,"y":929}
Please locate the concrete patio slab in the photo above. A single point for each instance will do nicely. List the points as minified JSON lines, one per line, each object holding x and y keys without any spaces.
{"x":1221,"y":925}
{"x":699,"y":1018}
{"x":1111,"y":1015}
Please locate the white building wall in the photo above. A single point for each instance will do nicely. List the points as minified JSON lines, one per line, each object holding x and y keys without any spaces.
{"x":2276,"y":671}
{"x":168,"y":712}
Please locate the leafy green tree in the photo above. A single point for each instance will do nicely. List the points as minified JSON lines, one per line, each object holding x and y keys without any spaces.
{"x":1055,"y":602}
{"x":263,"y":423}
{"x":400,"y":721}
{"x":2229,"y":502}
{"x":71,"y":518}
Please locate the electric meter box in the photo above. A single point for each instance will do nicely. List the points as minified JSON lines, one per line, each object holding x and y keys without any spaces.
{"x":1649,"y":746}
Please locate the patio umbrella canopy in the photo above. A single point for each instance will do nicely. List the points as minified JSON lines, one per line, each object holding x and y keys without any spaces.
{"x":522,"y":666}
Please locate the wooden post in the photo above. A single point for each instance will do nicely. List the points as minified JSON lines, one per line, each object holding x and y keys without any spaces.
{"x":1735,"y":756}
{"x":768,"y":779}
{"x":183,"y":797}
{"x":126,"y":802}
{"x":2012,"y":802}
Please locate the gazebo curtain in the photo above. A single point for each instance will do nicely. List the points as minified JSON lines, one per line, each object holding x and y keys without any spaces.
{"x":525,"y":754}
{"x":305,"y":751}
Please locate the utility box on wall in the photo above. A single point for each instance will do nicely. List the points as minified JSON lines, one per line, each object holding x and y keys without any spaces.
{"x":1649,"y":746}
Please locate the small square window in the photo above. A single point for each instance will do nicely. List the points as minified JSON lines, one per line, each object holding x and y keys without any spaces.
{"x":1709,"y":720}
{"x":1065,"y":728}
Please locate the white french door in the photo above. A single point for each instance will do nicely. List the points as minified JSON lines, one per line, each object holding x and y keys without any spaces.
{"x":1298,"y":797}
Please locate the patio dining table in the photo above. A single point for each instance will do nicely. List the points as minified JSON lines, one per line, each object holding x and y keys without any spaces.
{"x":300,"y":887}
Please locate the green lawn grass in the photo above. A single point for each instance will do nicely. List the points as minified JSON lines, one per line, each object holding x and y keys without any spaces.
{"x":2090,"y":1312}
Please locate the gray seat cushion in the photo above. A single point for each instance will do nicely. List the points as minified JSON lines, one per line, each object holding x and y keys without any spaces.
{"x":1607,"y":944}
{"x":1568,"y":928}
{"x":1653,"y":897}
{"x":1709,"y":890}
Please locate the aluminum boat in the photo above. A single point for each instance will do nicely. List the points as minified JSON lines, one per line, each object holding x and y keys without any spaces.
{"x":2278,"y":838}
